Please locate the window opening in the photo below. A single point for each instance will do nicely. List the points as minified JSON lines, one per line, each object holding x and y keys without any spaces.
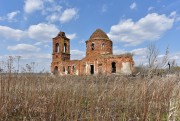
{"x":74,"y":68}
{"x":64,"y":69}
{"x":65,"y":47}
{"x":69,"y":69}
{"x":92,"y":69}
{"x":103,"y":46}
{"x":57,"y":48}
{"x":92,"y":46}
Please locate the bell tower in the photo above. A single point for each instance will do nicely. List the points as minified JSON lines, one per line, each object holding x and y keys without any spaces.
{"x":60,"y":51}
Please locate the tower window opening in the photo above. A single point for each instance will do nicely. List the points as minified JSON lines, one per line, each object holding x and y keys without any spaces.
{"x":57,"y":48}
{"x":102,"y":46}
{"x":92,"y":46}
{"x":65,"y":47}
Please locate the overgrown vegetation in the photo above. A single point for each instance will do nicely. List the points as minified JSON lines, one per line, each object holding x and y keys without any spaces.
{"x":86,"y":98}
{"x":152,"y":93}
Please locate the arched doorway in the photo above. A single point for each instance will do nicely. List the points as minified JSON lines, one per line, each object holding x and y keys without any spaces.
{"x":113,"y":65}
{"x":92,"y":69}
{"x":55,"y":70}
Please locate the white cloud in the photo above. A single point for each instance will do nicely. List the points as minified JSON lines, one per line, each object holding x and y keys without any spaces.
{"x":71,"y":36}
{"x":37,"y":56}
{"x":118,"y":51}
{"x":175,"y":16}
{"x":133,"y":6}
{"x":149,"y":28}
{"x":38,"y":43}
{"x":136,"y":52}
{"x":33,"y":5}
{"x":10,"y":16}
{"x":55,"y":8}
{"x":77,"y":54}
{"x":82,"y":42}
{"x":53,"y":17}
{"x":51,"y":8}
{"x":51,"y":1}
{"x":10,"y":33}
{"x":63,"y":16}
{"x":42,"y":32}
{"x":175,"y":57}
{"x":46,"y":46}
{"x":104,"y":8}
{"x":68,"y":15}
{"x":150,"y":8}
{"x":23,"y":47}
{"x":139,"y":51}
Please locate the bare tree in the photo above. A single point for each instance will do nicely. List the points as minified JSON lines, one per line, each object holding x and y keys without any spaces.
{"x":152,"y":54}
{"x":1,"y":66}
{"x":10,"y":64}
{"x":33,"y":64}
{"x":165,"y":59}
{"x":173,"y":63}
{"x":18,"y":60}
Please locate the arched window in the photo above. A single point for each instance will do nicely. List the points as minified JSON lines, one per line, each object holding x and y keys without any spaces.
{"x":65,"y":47}
{"x":92,"y":46}
{"x":57,"y":48}
{"x":113,"y":67}
{"x":69,"y":69}
{"x":74,"y":68}
{"x":64,"y":69}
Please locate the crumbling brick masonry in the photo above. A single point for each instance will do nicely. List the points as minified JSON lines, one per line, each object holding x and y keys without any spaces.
{"x":99,"y":57}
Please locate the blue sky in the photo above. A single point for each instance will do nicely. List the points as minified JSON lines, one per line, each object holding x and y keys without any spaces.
{"x":27,"y":26}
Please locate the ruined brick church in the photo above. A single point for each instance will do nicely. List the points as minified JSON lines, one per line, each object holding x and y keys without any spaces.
{"x":99,"y":57}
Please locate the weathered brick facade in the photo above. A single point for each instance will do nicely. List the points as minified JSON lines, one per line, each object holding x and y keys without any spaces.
{"x":99,"y":57}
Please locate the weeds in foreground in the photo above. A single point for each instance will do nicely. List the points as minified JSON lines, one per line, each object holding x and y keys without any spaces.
{"x":87,"y":98}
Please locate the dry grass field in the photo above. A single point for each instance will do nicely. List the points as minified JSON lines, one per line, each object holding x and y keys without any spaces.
{"x":88,"y":98}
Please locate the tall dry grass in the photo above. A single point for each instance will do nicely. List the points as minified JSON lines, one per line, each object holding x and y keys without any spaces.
{"x":88,"y":98}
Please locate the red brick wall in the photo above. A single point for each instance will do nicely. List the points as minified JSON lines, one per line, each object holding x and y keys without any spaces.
{"x":58,"y":57}
{"x":100,"y":47}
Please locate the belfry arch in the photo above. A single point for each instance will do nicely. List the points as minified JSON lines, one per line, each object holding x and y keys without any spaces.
{"x":57,"y":48}
{"x":65,"y":47}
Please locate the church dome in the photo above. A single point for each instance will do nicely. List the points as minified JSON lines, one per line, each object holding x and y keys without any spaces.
{"x":99,"y":34}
